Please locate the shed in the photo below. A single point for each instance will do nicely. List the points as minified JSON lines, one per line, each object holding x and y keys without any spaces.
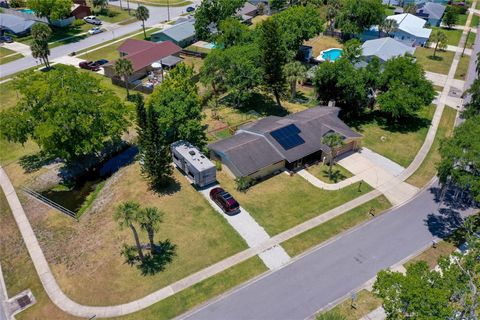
{"x":198,"y":168}
{"x":182,"y":34}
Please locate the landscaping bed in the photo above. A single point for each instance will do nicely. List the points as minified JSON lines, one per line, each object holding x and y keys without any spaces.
{"x":282,"y":202}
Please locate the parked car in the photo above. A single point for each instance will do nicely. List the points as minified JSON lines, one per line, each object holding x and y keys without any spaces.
{"x":6,"y":39}
{"x":92,"y":20}
{"x":95,"y":30}
{"x":89,"y":65}
{"x":190,"y":9}
{"x":225,"y":201}
{"x":101,"y":62}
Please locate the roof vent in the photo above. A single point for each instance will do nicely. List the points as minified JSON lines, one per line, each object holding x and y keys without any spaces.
{"x":192,"y":153}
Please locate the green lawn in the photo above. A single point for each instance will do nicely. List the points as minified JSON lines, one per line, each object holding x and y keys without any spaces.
{"x":462,"y":20}
{"x":11,"y":58}
{"x":440,"y":64}
{"x":164,"y":3}
{"x":115,"y":15}
{"x":432,"y":255}
{"x":462,"y":67}
{"x":399,"y":142}
{"x":365,"y":303}
{"x":453,"y":36}
{"x":69,"y":34}
{"x":427,"y":169}
{"x":282,"y":202}
{"x":110,"y":52}
{"x":335,"y":226}
{"x":5,"y":52}
{"x":321,"y":170}
{"x":201,"y":292}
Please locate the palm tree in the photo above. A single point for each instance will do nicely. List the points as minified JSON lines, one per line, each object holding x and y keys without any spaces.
{"x":388,"y":26}
{"x":440,"y":39}
{"x":294,"y":73}
{"x":40,"y":51}
{"x":41,"y":32}
{"x":142,"y":14}
{"x":126,"y":215}
{"x":150,"y":218}
{"x":332,"y":141}
{"x":124,"y":69}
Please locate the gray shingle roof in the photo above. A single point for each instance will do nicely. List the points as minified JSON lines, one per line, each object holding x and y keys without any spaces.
{"x":254,"y":148}
{"x":181,"y":31}
{"x":385,"y":48}
{"x":432,"y":10}
{"x":14,"y":23}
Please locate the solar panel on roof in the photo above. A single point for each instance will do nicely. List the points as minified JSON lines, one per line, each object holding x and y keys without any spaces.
{"x":288,"y":136}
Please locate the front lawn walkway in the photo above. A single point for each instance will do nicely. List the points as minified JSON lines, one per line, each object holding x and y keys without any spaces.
{"x":282,"y":202}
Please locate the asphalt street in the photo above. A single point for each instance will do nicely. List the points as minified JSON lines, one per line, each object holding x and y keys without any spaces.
{"x":332,"y":271}
{"x":157,"y":15}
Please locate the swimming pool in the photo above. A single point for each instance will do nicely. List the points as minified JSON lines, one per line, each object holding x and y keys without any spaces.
{"x":330,"y":54}
{"x":27,"y":11}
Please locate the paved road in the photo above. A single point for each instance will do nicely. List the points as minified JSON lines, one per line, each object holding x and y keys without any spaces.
{"x":3,"y":298}
{"x":338,"y":267}
{"x":472,"y":73}
{"x":157,"y":14}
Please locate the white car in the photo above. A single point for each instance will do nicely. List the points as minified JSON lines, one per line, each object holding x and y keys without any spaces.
{"x":92,"y":20}
{"x":95,"y":30}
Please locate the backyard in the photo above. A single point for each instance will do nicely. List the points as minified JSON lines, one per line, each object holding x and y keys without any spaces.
{"x":399,"y":142}
{"x":321,"y":42}
{"x":275,"y":203}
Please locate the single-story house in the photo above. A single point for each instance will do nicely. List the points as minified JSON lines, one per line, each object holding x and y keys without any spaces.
{"x":271,"y":144}
{"x":80,"y":9}
{"x":431,"y":12}
{"x":247,"y":12}
{"x":182,"y":34}
{"x":15,"y":24}
{"x":411,"y":29}
{"x":142,"y":54}
{"x":384,"y":49}
{"x":416,"y":2}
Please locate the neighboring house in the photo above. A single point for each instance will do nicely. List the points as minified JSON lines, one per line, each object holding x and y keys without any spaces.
{"x":384,"y":49}
{"x":431,"y":12}
{"x":411,"y":30}
{"x":198,"y":168}
{"x":142,"y":54}
{"x":247,"y":12}
{"x":15,"y":24}
{"x":182,"y":34}
{"x":80,"y":9}
{"x":266,"y":146}
{"x":416,"y":2}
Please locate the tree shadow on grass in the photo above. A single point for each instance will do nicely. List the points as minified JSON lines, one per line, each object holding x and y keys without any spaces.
{"x":435,"y":58}
{"x":336,"y":175}
{"x":34,"y":162}
{"x":406,"y":124}
{"x":258,"y":102}
{"x":165,"y":251}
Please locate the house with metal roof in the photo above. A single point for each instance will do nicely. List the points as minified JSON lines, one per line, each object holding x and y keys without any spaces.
{"x":384,"y":49}
{"x":182,"y":34}
{"x":411,"y":29}
{"x":269,"y":145}
{"x":431,"y":12}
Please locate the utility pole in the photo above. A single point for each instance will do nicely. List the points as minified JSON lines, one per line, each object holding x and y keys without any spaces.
{"x":168,"y":10}
{"x":466,"y":41}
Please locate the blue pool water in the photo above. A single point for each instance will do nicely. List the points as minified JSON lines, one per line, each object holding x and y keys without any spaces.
{"x":209,"y":45}
{"x":27,"y":11}
{"x":332,"y":54}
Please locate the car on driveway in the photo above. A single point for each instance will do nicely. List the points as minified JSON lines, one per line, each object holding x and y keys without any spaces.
{"x":101,"y":62}
{"x":95,"y":30}
{"x":92,"y":20}
{"x":89,"y":65}
{"x":6,"y":39}
{"x":190,"y":9}
{"x":225,"y":201}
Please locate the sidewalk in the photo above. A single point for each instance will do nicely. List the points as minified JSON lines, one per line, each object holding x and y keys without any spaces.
{"x":3,"y":298}
{"x":468,"y":51}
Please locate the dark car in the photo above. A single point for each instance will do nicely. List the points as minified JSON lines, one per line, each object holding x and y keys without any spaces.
{"x":225,"y":201}
{"x":6,"y":39}
{"x":190,"y":9}
{"x":101,"y":62}
{"x":89,"y":65}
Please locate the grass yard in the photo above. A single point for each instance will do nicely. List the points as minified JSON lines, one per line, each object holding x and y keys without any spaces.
{"x":462,"y":68}
{"x":462,"y":20}
{"x":320,"y":171}
{"x":256,"y":20}
{"x":365,"y":303}
{"x":11,"y":58}
{"x":335,"y":226}
{"x":90,"y":269}
{"x":114,"y":14}
{"x":282,"y":202}
{"x":440,"y":64}
{"x":322,"y":42}
{"x":61,"y":36}
{"x":164,"y":3}
{"x":432,"y":255}
{"x":201,"y":292}
{"x":400,"y":142}
{"x":427,"y":169}
{"x":19,"y":272}
{"x":454,"y":35}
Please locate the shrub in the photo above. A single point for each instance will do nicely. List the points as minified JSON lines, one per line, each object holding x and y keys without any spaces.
{"x":243,"y":183}
{"x":17,"y":3}
{"x":218,"y":165}
{"x":78,"y":23}
{"x":457,"y":9}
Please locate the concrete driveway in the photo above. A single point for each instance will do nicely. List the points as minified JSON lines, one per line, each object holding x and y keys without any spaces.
{"x":381,"y":173}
